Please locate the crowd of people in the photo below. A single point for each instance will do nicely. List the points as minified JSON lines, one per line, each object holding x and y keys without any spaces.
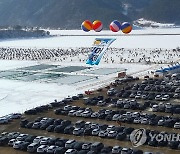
{"x":112,"y":55}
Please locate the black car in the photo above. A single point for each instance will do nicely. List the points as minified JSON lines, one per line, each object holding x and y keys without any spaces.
{"x":106,"y":150}
{"x":52,"y":141}
{"x":65,"y":123}
{"x":50,"y":128}
{"x":29,"y":125}
{"x":23,"y":123}
{"x":57,"y":121}
{"x":61,"y":142}
{"x":59,"y":129}
{"x":121,"y":136}
{"x":30,"y":138}
{"x":83,"y":151}
{"x":44,"y":126}
{"x":69,"y":129}
{"x":97,"y":146}
{"x":173,"y":144}
{"x":88,"y":131}
{"x":4,"y":141}
{"x":24,"y":146}
{"x":78,"y":146}
{"x":60,"y":150}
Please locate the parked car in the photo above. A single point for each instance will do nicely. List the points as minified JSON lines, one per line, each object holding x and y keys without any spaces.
{"x":70,"y":144}
{"x":42,"y":149}
{"x":97,"y":146}
{"x":86,"y":146}
{"x":38,"y":139}
{"x":112,"y":134}
{"x":51,"y":149}
{"x":78,"y":131}
{"x":32,"y":147}
{"x":71,"y":151}
{"x":17,"y":144}
{"x":11,"y":142}
{"x":116,"y":150}
{"x":177,"y":125}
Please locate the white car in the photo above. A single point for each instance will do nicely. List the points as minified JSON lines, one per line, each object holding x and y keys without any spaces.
{"x":116,"y":149}
{"x":67,"y":107}
{"x":71,"y":151}
{"x":42,"y":149}
{"x":116,"y":117}
{"x":177,"y":125}
{"x":95,"y":131}
{"x":11,"y":142}
{"x":71,"y":112}
{"x":38,"y":139}
{"x":86,"y":146}
{"x":158,"y":97}
{"x":79,"y":113}
{"x":112,"y":134}
{"x":87,"y":124}
{"x":155,"y":108}
{"x":165,"y":98}
{"x":77,"y":131}
{"x":160,"y":122}
{"x":135,"y":114}
{"x":144,"y":121}
{"x":17,"y":144}
{"x":4,"y":133}
{"x":95,"y":115}
{"x":103,"y":133}
{"x":110,"y":127}
{"x":51,"y":149}
{"x":44,"y":141}
{"x":137,"y":120}
{"x":21,"y":136}
{"x":94,"y":126}
{"x":44,"y":120}
{"x":70,"y":143}
{"x":86,"y":114}
{"x":3,"y":121}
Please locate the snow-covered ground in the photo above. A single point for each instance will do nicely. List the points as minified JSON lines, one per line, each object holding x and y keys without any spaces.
{"x":148,"y":23}
{"x":143,"y":38}
{"x":17,"y":95}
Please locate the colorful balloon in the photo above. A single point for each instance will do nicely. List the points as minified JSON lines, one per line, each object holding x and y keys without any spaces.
{"x":86,"y":26}
{"x":97,"y":25}
{"x":115,"y":26}
{"x":126,"y":27}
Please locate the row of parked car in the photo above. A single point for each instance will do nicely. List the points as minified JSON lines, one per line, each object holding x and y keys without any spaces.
{"x":115,"y":102}
{"x":129,"y":92}
{"x":166,"y":107}
{"x":83,"y":128}
{"x":42,"y":144}
{"x":51,"y":105}
{"x":149,"y":89}
{"x":120,"y":115}
{"x":8,"y":118}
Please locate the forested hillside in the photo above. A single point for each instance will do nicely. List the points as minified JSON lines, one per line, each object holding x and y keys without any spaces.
{"x":69,"y":14}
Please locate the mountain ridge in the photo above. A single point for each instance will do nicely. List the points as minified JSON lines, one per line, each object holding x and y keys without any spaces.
{"x":69,"y":14}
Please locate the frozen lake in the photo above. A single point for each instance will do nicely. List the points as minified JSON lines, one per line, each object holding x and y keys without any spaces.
{"x":27,"y":84}
{"x":144,"y":38}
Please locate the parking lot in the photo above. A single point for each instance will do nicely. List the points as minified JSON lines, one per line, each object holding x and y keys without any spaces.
{"x":108,"y":116}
